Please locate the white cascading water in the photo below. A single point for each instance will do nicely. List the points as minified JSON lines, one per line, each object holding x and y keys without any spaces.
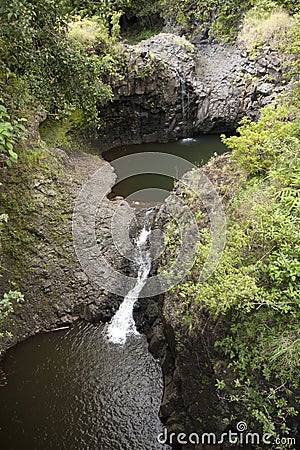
{"x":183,"y":95}
{"x":122,"y":324}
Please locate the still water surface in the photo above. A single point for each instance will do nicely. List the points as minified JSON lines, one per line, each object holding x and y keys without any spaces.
{"x":197,"y":151}
{"x":76,"y":390}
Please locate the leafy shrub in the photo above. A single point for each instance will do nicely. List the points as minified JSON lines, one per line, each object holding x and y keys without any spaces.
{"x":6,"y":304}
{"x":10,"y":134}
{"x":93,"y":34}
{"x":264,"y":27}
{"x":11,"y":297}
{"x":104,"y":9}
{"x":255,"y":290}
{"x":260,"y":144}
{"x":221,"y":17}
{"x":88,"y":32}
{"x":55,"y":67}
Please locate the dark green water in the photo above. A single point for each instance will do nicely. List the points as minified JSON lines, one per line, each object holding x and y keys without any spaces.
{"x":74,"y":390}
{"x":197,"y":151}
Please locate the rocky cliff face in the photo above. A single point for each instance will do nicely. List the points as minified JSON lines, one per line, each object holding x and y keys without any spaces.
{"x":172,"y":88}
{"x":189,"y":360}
{"x":57,"y":290}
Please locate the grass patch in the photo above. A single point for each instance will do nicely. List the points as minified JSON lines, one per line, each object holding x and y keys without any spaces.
{"x":137,"y":36}
{"x":57,"y":133}
{"x":265,"y":27}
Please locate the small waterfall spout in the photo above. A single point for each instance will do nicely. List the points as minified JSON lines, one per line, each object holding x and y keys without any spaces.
{"x":183,"y":94}
{"x":122,"y":324}
{"x":185,"y":102}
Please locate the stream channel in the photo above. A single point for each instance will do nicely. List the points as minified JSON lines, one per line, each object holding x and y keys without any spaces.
{"x":93,"y":386}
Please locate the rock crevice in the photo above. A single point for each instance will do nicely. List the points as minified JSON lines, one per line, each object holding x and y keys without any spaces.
{"x":172,"y":89}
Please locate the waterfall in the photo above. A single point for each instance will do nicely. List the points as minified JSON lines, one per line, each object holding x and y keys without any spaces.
{"x":122,"y":324}
{"x":184,"y":96}
{"x":183,"y":93}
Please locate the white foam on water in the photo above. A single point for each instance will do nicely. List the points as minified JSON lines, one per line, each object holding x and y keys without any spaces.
{"x":188,"y":140}
{"x":122,"y":324}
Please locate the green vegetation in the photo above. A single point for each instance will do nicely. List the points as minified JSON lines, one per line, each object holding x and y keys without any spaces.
{"x":58,"y":133}
{"x":59,"y":56}
{"x":7,"y":305}
{"x":274,"y":28}
{"x":222,"y":18}
{"x":10,"y":135}
{"x":262,"y":144}
{"x":256,"y":288}
{"x":13,"y":296}
{"x":42,"y":63}
{"x":51,"y":60}
{"x":254,"y":294}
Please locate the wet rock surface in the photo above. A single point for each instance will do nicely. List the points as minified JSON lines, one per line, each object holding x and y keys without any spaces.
{"x":172,"y":88}
{"x":56,"y":288}
{"x":191,"y":403}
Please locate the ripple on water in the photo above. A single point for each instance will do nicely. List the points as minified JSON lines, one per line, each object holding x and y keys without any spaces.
{"x":75,"y":390}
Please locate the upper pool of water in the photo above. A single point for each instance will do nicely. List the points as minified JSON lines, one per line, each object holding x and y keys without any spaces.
{"x":152,"y":187}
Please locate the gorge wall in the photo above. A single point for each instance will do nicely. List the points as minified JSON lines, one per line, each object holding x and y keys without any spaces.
{"x":46,"y":269}
{"x":171,"y":88}
{"x":188,"y":357}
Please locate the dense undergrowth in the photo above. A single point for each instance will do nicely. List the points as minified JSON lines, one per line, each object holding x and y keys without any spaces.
{"x":221,"y":19}
{"x":255,"y":289}
{"x":52,"y":59}
{"x":59,"y":56}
